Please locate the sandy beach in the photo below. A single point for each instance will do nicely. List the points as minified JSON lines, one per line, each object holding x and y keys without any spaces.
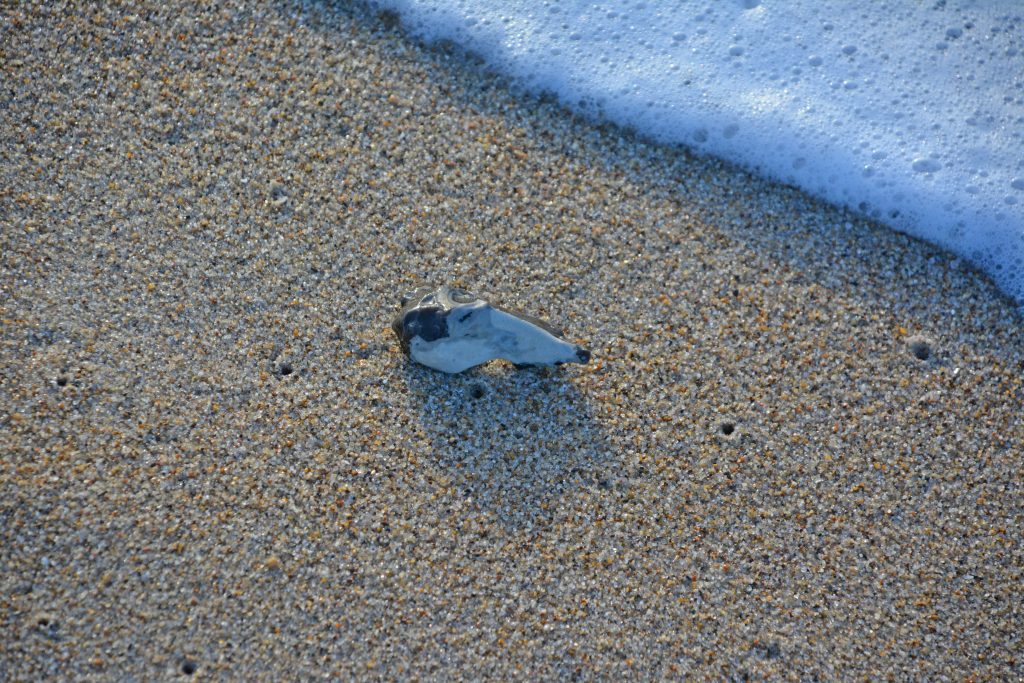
{"x":795,"y":455}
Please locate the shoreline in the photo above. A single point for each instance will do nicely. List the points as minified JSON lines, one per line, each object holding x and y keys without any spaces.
{"x":217,"y":462}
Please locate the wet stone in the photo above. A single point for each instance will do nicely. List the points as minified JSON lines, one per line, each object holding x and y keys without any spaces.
{"x":451,"y":329}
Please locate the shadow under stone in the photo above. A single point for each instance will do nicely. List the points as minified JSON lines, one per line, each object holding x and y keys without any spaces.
{"x":516,"y":441}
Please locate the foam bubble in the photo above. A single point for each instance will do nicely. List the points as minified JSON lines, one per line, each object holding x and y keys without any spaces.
{"x":923,"y":165}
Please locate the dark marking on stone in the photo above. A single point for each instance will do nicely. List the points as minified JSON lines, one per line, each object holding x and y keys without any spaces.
{"x":420,"y":317}
{"x":429,"y":324}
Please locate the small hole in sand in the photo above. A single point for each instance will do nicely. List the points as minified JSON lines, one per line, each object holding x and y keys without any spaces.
{"x":62,"y":381}
{"x":286,"y":369}
{"x":921,"y":349}
{"x":477,"y":391}
{"x":188,"y":667}
{"x":728,"y":428}
{"x":48,"y":625}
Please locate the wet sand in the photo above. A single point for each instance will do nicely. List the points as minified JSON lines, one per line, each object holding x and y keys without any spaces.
{"x":796,"y":453}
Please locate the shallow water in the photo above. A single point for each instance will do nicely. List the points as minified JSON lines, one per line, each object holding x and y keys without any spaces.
{"x":910,"y":113}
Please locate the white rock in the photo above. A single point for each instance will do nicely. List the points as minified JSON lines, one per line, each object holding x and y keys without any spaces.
{"x":451,"y":330}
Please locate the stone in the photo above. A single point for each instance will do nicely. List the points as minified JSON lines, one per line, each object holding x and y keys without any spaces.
{"x":452,"y":330}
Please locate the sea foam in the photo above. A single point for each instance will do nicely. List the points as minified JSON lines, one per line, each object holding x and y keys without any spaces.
{"x":909,"y":112}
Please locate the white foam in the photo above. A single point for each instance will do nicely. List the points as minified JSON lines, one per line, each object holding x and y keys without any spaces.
{"x":911,"y":112}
